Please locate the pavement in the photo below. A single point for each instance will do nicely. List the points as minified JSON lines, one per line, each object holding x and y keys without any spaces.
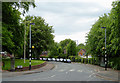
{"x":110,"y":74}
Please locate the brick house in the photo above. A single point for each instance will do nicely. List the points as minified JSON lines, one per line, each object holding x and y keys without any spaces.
{"x":82,"y":53}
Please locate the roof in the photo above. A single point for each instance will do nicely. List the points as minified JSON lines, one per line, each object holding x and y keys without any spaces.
{"x":83,"y":50}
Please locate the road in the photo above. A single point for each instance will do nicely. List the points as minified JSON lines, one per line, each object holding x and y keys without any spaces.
{"x":61,"y":72}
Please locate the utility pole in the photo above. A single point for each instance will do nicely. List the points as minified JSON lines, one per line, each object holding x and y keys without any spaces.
{"x":25,"y":42}
{"x":105,"y":50}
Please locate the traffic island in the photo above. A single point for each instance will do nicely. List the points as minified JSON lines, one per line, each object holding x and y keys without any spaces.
{"x":47,"y":67}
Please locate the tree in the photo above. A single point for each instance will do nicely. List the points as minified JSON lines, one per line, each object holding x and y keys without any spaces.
{"x":80,"y":46}
{"x":42,"y":37}
{"x":71,"y":49}
{"x":54,"y":51}
{"x":13,"y":30}
{"x":96,"y":36}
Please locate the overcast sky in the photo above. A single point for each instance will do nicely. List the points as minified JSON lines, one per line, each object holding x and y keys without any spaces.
{"x":71,"y":18}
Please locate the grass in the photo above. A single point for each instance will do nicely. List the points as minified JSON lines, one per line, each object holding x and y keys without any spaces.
{"x":20,"y":62}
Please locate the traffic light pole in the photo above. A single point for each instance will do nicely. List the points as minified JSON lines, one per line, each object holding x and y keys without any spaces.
{"x":105,"y":52}
{"x":30,"y":50}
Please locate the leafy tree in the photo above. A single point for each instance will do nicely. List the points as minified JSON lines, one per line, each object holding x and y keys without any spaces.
{"x":54,"y":51}
{"x":13,"y":30}
{"x":71,"y":49}
{"x":42,"y":37}
{"x":64,"y":43}
{"x":80,"y":46}
{"x":96,"y":36}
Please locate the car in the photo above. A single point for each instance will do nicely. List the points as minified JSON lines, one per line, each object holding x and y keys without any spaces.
{"x":57,"y":59}
{"x":49,"y":59}
{"x":61,"y":59}
{"x":68,"y":61}
{"x":53,"y":59}
{"x":64,"y":60}
{"x":44,"y":59}
{"x":32,"y":58}
{"x":40,"y":58}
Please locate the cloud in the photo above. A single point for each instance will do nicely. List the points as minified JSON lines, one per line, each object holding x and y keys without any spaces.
{"x":71,"y":17}
{"x":79,"y":36}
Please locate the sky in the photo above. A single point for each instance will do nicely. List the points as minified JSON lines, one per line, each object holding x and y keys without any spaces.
{"x":71,"y":18}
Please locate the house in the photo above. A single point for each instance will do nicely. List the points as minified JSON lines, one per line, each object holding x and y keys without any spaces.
{"x":82,"y":53}
{"x":44,"y":53}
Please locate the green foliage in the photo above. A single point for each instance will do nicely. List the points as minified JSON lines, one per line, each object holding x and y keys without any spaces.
{"x":114,"y":63}
{"x":64,"y":49}
{"x":13,"y":30}
{"x":80,"y":46}
{"x":42,"y":37}
{"x":71,"y":49}
{"x":54,"y":52}
{"x":18,"y":62}
{"x":96,"y":36}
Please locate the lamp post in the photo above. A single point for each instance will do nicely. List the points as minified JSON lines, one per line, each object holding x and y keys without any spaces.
{"x":30,"y":54}
{"x":105,"y":50}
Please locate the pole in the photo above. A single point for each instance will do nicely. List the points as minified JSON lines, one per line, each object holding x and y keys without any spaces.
{"x":30,"y":50}
{"x":105,"y":52}
{"x":25,"y":43}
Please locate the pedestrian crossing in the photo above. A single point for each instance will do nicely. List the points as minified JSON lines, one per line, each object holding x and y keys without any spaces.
{"x":74,"y":70}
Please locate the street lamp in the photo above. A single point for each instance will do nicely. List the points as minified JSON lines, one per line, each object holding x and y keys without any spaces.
{"x":105,"y":50}
{"x":30,"y":47}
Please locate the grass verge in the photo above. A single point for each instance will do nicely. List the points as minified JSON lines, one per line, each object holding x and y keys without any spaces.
{"x":18,"y":62}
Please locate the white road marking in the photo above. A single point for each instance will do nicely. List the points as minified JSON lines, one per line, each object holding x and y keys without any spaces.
{"x":79,"y":71}
{"x":72,"y":70}
{"x":61,"y":70}
{"x":53,"y":76}
{"x":91,"y":75}
{"x":66,"y":72}
{"x":44,"y":78}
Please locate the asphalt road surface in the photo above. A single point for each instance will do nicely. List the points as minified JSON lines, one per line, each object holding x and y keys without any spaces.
{"x":61,"y":72}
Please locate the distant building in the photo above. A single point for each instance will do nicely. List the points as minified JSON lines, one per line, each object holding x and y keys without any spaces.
{"x":44,"y":53}
{"x":82,"y":53}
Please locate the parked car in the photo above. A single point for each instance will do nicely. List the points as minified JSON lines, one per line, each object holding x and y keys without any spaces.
{"x":57,"y":59}
{"x":40,"y":58}
{"x":32,"y":58}
{"x":49,"y":59}
{"x":44,"y":59}
{"x":53,"y":59}
{"x":68,"y":61}
{"x":61,"y":59}
{"x":64,"y":60}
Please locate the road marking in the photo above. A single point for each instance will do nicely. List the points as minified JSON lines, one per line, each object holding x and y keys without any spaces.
{"x":79,"y":71}
{"x":91,"y":75}
{"x":61,"y":70}
{"x":72,"y":70}
{"x":66,"y":72}
{"x":53,"y":76}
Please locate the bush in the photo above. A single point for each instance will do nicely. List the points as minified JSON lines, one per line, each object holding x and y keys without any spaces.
{"x":114,"y":63}
{"x":90,"y":60}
